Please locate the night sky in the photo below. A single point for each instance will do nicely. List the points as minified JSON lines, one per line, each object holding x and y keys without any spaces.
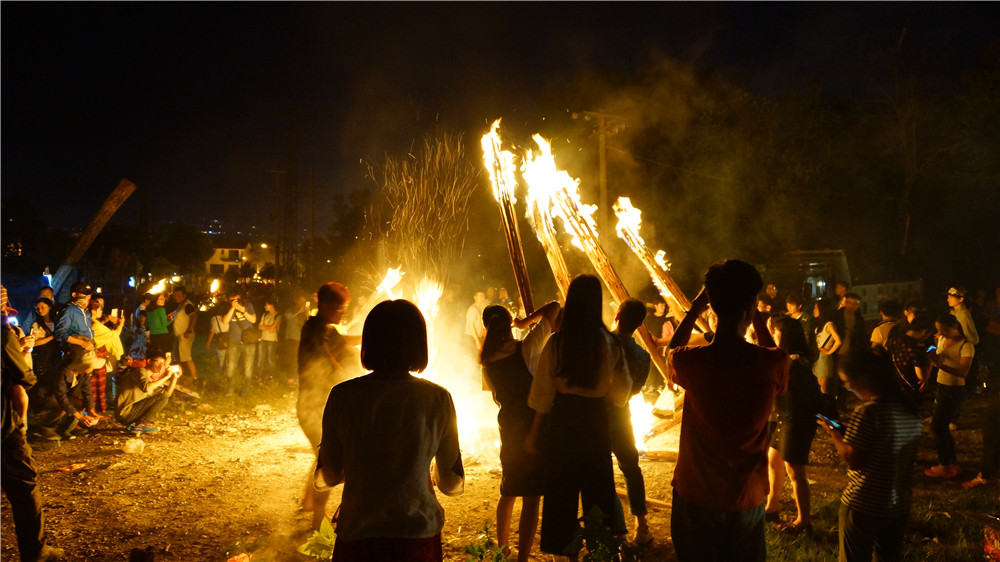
{"x":193,"y":102}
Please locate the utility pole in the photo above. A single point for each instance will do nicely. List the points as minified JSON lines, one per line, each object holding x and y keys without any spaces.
{"x":607,"y":124}
{"x":277,"y":216}
{"x":290,"y":233}
{"x":311,"y":277}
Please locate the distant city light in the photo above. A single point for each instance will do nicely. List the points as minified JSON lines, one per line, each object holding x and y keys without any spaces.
{"x":262,"y":245}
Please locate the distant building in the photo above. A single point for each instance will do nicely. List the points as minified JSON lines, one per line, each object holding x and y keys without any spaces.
{"x":232,"y":253}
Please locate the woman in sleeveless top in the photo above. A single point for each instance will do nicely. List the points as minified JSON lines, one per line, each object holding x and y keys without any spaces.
{"x":508,"y":368}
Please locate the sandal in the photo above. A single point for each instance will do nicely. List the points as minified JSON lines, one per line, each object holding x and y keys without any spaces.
{"x":793,"y":529}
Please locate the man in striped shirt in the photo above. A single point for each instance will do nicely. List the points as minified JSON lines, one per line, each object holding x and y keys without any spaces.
{"x":879,"y":448}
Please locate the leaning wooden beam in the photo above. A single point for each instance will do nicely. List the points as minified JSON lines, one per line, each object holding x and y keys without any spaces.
{"x":628,"y":230}
{"x":111,"y":204}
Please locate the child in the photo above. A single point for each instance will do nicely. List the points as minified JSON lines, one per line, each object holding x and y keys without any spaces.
{"x":879,"y":448}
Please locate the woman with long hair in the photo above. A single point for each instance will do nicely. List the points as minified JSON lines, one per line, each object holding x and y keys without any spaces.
{"x":827,"y":343}
{"x":508,"y":367}
{"x":157,"y":323}
{"x":796,"y":429}
{"x":953,"y":358}
{"x":581,"y":366}
{"x":45,"y":353}
{"x":380,"y":433}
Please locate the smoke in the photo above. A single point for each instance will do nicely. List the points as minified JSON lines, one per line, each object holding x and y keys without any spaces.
{"x":698,"y":157}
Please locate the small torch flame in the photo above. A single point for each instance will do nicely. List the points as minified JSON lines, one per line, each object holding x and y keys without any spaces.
{"x":158,"y":288}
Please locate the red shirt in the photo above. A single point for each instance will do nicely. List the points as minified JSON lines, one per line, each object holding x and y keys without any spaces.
{"x":729,"y":394}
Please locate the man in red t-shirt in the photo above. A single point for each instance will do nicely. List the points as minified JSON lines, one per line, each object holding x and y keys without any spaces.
{"x":720,"y":481}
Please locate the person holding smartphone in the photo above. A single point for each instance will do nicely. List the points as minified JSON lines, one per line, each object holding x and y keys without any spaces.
{"x":144,"y":391}
{"x":879,"y":448}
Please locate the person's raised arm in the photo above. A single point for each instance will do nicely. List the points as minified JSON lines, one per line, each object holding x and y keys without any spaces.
{"x":228,"y":316}
{"x":549,"y":311}
{"x":683,"y":333}
{"x":764,"y":338}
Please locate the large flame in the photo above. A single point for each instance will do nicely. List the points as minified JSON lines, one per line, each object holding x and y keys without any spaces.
{"x":499,"y":163}
{"x":642,"y":420}
{"x":556,"y":193}
{"x":389,"y":282}
{"x":215,"y":286}
{"x":158,"y":288}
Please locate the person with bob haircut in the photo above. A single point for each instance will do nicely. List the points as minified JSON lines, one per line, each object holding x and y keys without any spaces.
{"x":508,"y":369}
{"x":581,"y":368}
{"x":380,"y":433}
{"x":721,"y":481}
{"x":879,"y":447}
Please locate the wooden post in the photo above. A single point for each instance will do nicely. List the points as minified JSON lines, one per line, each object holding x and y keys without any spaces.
{"x":111,"y":204}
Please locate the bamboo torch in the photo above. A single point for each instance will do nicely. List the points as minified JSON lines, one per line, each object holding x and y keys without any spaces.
{"x":563,"y":198}
{"x":629,"y":219}
{"x":500,"y":164}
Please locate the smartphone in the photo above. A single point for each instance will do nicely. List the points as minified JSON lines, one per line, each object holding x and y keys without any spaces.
{"x":114,"y":312}
{"x":931,"y":348}
{"x":836,"y":425}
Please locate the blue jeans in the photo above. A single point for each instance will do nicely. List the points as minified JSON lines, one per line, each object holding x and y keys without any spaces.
{"x":240,"y":356}
{"x":946,"y":406}
{"x":704,"y":534}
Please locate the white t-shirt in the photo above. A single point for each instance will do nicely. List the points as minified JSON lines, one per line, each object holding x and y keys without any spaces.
{"x":951,"y":355}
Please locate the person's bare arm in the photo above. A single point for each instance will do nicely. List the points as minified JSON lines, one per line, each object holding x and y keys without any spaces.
{"x":549,"y":311}
{"x":760,"y":328}
{"x":683,"y":333}
{"x":19,"y":401}
{"x":853,"y":457}
{"x":82,"y":342}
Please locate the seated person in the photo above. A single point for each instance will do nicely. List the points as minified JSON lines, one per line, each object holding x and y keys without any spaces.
{"x":68,"y":392}
{"x":143,"y":391}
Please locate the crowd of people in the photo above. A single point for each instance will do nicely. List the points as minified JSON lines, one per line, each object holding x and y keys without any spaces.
{"x":757,"y":386}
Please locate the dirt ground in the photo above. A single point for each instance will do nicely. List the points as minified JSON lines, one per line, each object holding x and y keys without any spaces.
{"x":224,"y":477}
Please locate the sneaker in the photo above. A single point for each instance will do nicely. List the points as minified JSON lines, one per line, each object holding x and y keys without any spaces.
{"x":975,"y":482}
{"x":131,"y":428}
{"x":146,"y":428}
{"x":941,"y":471}
{"x":642,"y":536}
{"x":937,"y":471}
